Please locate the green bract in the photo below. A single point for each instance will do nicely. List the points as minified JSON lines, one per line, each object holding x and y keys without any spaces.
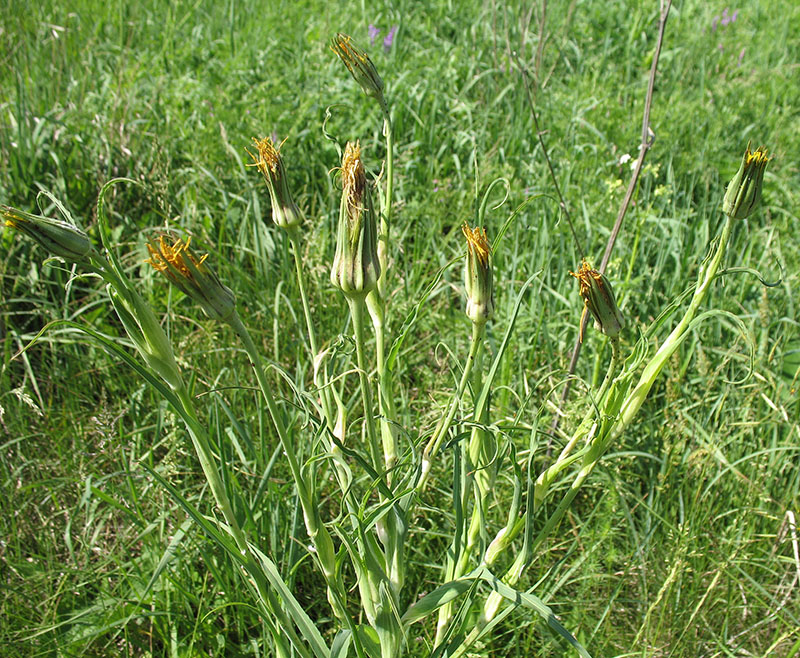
{"x":598,"y":298}
{"x":58,"y":237}
{"x":285,"y":212}
{"x":744,"y":190}
{"x":355,"y":268}
{"x":360,"y":66}
{"x":478,"y":275}
{"x":193,"y":277}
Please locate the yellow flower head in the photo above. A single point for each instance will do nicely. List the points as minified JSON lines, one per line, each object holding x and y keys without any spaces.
{"x":355,"y":268}
{"x":744,"y":191}
{"x":193,"y":276}
{"x":285,"y":212}
{"x":478,"y":275}
{"x":360,"y":66}
{"x":598,"y":299}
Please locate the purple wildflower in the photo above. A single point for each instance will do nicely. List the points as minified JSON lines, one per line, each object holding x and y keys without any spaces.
{"x":725,"y":19}
{"x":389,"y":38}
{"x":735,"y":16}
{"x":741,"y":57}
{"x":373,"y":34}
{"x":714,"y":24}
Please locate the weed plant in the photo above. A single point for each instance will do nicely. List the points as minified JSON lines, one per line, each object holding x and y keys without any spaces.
{"x":334,"y":459}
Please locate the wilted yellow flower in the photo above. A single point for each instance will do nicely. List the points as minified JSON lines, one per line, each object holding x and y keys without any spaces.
{"x":58,"y":237}
{"x":193,"y":276}
{"x":360,"y":66}
{"x":355,"y":268}
{"x":744,"y":190}
{"x":285,"y":212}
{"x":598,"y":298}
{"x":478,"y":275}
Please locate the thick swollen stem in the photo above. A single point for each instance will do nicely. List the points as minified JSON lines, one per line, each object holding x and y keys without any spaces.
{"x":386,"y":403}
{"x":357,"y":313}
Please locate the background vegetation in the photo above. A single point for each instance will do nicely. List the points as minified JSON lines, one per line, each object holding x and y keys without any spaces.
{"x":682,"y":544}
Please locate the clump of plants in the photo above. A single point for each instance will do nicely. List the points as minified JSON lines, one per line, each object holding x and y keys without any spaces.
{"x":365,"y":457}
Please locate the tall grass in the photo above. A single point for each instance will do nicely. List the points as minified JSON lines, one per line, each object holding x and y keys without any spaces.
{"x":683,"y":540}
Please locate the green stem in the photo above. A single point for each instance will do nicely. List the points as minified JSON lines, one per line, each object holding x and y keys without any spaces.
{"x":389,"y":527}
{"x":386,"y":215}
{"x":325,"y":396}
{"x":630,"y":406}
{"x":294,"y":238}
{"x":708,"y":271}
{"x":357,"y":313}
{"x":386,"y":403}
{"x":432,"y":448}
{"x":250,"y":564}
{"x":317,"y":532}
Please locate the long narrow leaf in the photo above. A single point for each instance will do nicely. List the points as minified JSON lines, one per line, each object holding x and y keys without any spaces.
{"x":307,"y":627}
{"x":534,"y":603}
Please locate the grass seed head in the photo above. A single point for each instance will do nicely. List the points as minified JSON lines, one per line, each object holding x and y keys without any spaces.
{"x":193,"y":276}
{"x":285,"y":212}
{"x":598,"y":299}
{"x":58,"y":237}
{"x":478,"y":275}
{"x":744,"y":191}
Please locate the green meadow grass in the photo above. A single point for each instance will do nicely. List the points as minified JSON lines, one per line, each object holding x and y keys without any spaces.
{"x":683,"y":542}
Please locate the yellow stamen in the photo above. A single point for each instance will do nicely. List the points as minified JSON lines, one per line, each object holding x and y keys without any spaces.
{"x":268,"y":156}
{"x":477,"y":242}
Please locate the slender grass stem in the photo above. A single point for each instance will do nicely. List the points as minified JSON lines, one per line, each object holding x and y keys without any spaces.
{"x":325,"y":396}
{"x":434,"y":443}
{"x":317,"y":532}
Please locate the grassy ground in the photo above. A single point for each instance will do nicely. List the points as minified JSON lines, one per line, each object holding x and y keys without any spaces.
{"x":683,"y":542}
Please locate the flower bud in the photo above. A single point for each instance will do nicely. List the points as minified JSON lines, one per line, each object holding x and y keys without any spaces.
{"x":744,"y":190}
{"x":360,"y":66}
{"x":60,"y":238}
{"x":478,"y":275}
{"x":598,"y":298}
{"x":285,"y":212}
{"x":355,"y":269}
{"x":193,"y":277}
